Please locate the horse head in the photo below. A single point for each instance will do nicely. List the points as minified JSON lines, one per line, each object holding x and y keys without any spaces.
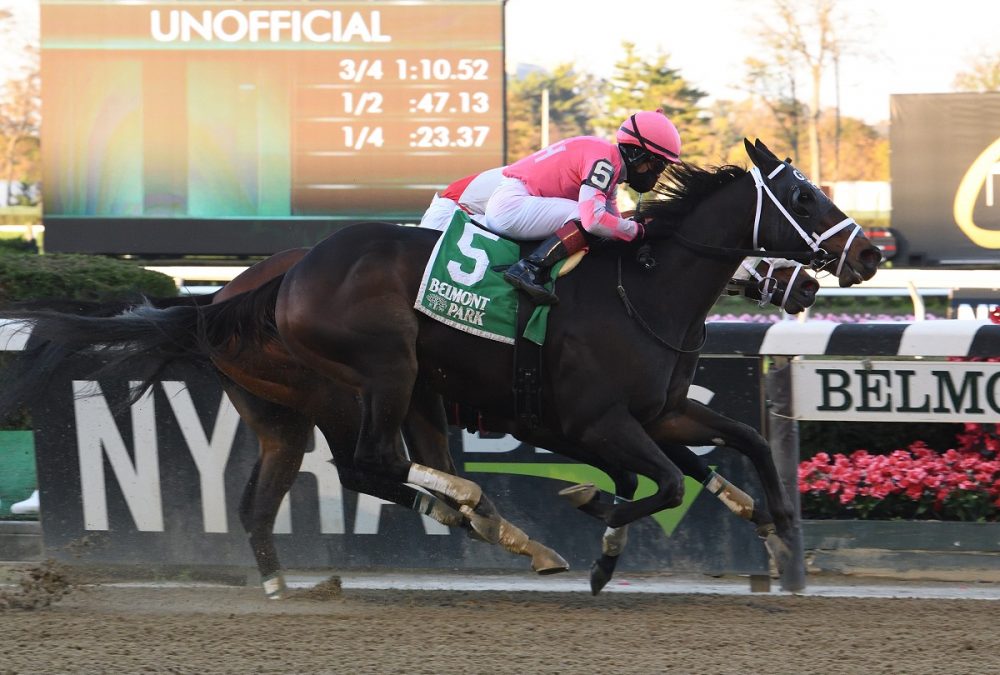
{"x":798,"y":212}
{"x":785,"y":284}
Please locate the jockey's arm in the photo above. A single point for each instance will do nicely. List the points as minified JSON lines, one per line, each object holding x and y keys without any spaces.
{"x":599,"y":215}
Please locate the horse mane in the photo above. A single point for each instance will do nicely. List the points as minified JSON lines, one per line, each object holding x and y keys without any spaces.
{"x":683,"y":187}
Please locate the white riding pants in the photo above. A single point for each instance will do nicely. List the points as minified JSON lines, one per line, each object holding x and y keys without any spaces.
{"x":513,"y":212}
{"x":439,"y":214}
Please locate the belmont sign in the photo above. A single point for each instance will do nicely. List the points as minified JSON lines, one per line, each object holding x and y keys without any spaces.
{"x":895,"y":391}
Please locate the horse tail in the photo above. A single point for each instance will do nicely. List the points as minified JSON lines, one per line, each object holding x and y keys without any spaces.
{"x":107,"y":308}
{"x":142,"y":341}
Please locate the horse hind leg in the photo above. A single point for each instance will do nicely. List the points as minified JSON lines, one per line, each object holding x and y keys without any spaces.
{"x":425,"y":430}
{"x":378,"y":452}
{"x":278,"y":466}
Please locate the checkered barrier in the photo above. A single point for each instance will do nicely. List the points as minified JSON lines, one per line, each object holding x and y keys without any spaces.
{"x":918,"y":338}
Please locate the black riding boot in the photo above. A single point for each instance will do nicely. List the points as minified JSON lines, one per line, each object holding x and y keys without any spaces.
{"x":530,"y":273}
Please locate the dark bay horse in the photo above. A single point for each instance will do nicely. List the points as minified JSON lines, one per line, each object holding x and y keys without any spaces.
{"x":272,"y":394}
{"x":283,"y":434}
{"x":361,"y":283}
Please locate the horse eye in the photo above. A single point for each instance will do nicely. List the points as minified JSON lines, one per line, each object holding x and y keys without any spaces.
{"x":801,"y":199}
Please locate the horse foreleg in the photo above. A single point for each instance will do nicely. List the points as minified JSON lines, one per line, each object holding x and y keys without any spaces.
{"x":699,"y":425}
{"x":586,"y":498}
{"x":620,"y":445}
{"x":735,"y":499}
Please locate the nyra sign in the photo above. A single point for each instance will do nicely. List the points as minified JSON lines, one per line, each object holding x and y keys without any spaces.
{"x":896,"y":391}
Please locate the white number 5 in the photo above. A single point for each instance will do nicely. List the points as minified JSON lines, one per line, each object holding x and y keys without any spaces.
{"x":479,"y":257}
{"x":600,"y":175}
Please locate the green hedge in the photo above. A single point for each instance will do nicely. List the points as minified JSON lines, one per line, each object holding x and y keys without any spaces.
{"x":68,"y":276}
{"x":26,"y":276}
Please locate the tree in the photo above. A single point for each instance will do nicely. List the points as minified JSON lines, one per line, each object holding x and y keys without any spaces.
{"x":20,"y":120}
{"x":776,"y":88}
{"x":802,"y":41}
{"x":20,"y":112}
{"x":732,"y":121}
{"x":571,"y":107}
{"x":983,"y":75}
{"x":650,"y":83}
{"x":867,"y":150}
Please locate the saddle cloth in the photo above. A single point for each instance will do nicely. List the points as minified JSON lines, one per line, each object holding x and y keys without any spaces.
{"x":463,"y":284}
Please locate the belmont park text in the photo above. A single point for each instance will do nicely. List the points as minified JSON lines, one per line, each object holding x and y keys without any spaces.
{"x":903,"y":390}
{"x":465,"y":305}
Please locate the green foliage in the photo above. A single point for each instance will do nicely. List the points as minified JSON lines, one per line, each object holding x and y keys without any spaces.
{"x":875,"y":437}
{"x":981,"y":75}
{"x":76,"y":277}
{"x":643,"y":83}
{"x":572,"y":99}
{"x":17,"y":245}
{"x":28,"y":277}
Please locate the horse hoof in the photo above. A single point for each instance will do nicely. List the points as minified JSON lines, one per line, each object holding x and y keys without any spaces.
{"x":484,"y":519}
{"x":779,"y":551}
{"x":601,"y":572}
{"x":545,"y":561}
{"x":580,"y":495}
{"x":275,"y":587}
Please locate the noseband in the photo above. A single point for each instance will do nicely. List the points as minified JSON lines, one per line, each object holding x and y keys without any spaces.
{"x":766,"y":283}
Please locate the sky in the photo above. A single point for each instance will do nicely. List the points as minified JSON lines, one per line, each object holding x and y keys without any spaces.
{"x":903,"y":46}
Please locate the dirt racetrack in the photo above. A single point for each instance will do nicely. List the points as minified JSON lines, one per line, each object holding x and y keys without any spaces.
{"x":216,"y":629}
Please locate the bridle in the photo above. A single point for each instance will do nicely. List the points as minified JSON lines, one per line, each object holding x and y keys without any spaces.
{"x":820,"y":258}
{"x":766,"y":283}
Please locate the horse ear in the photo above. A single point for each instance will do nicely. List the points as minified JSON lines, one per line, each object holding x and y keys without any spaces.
{"x":766,"y":151}
{"x":751,"y":150}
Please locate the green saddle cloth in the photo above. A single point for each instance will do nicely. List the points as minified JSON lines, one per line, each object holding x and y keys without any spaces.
{"x":461,"y":288}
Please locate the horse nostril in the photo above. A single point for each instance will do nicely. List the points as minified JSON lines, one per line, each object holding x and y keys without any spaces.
{"x":871,"y":257}
{"x":811,"y":287}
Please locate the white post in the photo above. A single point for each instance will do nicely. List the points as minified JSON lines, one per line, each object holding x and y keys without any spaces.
{"x":545,"y":118}
{"x":919,"y":309}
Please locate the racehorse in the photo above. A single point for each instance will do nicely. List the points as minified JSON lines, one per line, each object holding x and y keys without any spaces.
{"x":615,"y":382}
{"x":283,"y":438}
{"x":377,"y":347}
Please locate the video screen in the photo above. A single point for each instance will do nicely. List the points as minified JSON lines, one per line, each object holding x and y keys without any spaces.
{"x":253,"y":111}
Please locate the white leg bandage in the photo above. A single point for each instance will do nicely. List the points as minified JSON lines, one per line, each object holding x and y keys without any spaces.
{"x":738,"y":501}
{"x":614,"y":540}
{"x":461,"y":490}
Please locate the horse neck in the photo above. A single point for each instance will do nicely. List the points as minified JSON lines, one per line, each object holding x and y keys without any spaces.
{"x":700,"y":277}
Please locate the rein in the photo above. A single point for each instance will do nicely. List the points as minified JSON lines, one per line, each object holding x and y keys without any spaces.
{"x":633,"y":313}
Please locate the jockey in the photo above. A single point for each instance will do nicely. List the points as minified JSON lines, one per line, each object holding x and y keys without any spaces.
{"x":469,"y":194}
{"x":576,"y":179}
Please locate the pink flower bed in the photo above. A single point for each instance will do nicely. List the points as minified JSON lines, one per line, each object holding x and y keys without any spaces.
{"x":962,"y":483}
{"x":774,"y":317}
